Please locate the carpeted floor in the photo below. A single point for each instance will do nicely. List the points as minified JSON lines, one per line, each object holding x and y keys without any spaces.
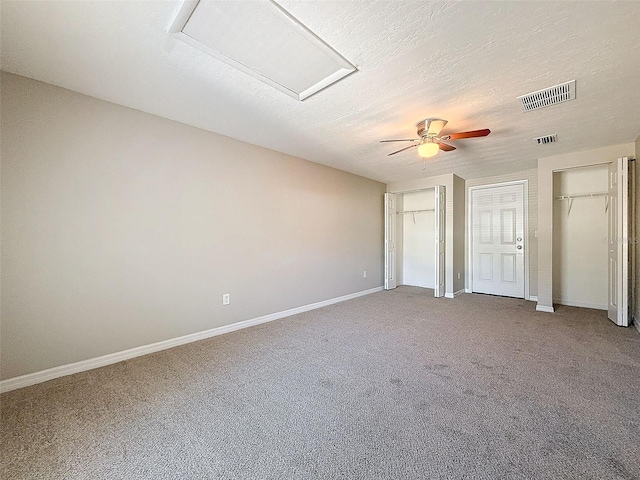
{"x":391,"y":385}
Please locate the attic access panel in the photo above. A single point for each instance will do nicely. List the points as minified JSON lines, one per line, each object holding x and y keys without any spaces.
{"x":260,"y":38}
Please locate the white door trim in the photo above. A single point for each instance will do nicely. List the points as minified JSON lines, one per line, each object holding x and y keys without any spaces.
{"x":469,"y":253}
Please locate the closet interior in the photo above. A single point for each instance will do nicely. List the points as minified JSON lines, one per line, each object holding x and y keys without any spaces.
{"x":415,"y":238}
{"x":580,"y":240}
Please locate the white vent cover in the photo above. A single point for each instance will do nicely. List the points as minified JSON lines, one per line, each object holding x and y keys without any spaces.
{"x":547,"y":139}
{"x":549,"y":96}
{"x":262,"y":39}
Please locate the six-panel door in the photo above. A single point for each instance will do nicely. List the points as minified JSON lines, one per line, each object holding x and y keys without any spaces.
{"x":498,"y":241}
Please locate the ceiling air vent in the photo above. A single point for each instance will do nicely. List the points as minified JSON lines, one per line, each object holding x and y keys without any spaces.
{"x":546,"y":139}
{"x":549,"y":96}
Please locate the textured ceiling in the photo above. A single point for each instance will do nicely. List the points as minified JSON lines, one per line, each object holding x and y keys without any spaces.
{"x":465,"y":62}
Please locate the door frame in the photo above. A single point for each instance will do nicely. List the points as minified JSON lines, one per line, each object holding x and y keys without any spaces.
{"x":525,"y":212}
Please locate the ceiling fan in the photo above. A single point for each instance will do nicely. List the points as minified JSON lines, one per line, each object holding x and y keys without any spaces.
{"x":429,"y":142}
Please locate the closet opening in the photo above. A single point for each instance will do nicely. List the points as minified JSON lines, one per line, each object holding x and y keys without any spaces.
{"x":592,"y":258}
{"x":580,"y":237}
{"x":415,"y":239}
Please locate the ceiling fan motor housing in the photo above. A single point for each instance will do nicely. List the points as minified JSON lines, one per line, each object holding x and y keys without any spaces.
{"x":430,"y":127}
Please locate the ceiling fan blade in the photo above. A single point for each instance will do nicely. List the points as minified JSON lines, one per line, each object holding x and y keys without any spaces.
{"x":445,"y":147}
{"x":471,"y":134}
{"x":401,"y":140}
{"x":402,"y":149}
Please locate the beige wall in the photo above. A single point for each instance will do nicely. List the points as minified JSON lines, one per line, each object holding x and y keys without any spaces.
{"x":459,"y":239}
{"x":532,"y":214}
{"x":121,"y":229}
{"x":546,"y":167}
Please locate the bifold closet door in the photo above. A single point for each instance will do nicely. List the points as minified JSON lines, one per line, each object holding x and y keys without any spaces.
{"x":389,"y":241}
{"x":440,"y":241}
{"x":618,"y":241}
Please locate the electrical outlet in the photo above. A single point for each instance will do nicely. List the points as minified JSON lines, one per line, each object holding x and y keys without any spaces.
{"x":226,"y":300}
{"x":364,"y":274}
{"x":458,"y":275}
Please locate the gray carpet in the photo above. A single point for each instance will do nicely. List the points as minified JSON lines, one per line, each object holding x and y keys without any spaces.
{"x":392,"y":385}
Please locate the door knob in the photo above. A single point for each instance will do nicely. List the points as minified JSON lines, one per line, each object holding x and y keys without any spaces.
{"x":519,"y":247}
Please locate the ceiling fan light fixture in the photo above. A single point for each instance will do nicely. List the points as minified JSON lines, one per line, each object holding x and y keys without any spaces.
{"x":428,"y":149}
{"x":430,"y":142}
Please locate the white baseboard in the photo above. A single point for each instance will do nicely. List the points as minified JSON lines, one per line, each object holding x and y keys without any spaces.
{"x":570,"y":303}
{"x":84,"y":365}
{"x":454,"y":294}
{"x":544,"y":308}
{"x":468,"y":290}
{"x":533,"y":298}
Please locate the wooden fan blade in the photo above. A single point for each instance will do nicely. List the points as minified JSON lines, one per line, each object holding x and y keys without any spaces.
{"x":471,"y":134}
{"x":445,"y":147}
{"x":402,"y":149}
{"x":401,"y":140}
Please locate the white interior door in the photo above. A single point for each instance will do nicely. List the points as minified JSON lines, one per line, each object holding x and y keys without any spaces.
{"x":498,"y":240}
{"x":618,"y":309}
{"x":440,"y":241}
{"x":389,"y":241}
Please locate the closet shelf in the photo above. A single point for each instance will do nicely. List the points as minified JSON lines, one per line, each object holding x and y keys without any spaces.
{"x":416,"y":211}
{"x":584,"y":195}
{"x":581,"y":195}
